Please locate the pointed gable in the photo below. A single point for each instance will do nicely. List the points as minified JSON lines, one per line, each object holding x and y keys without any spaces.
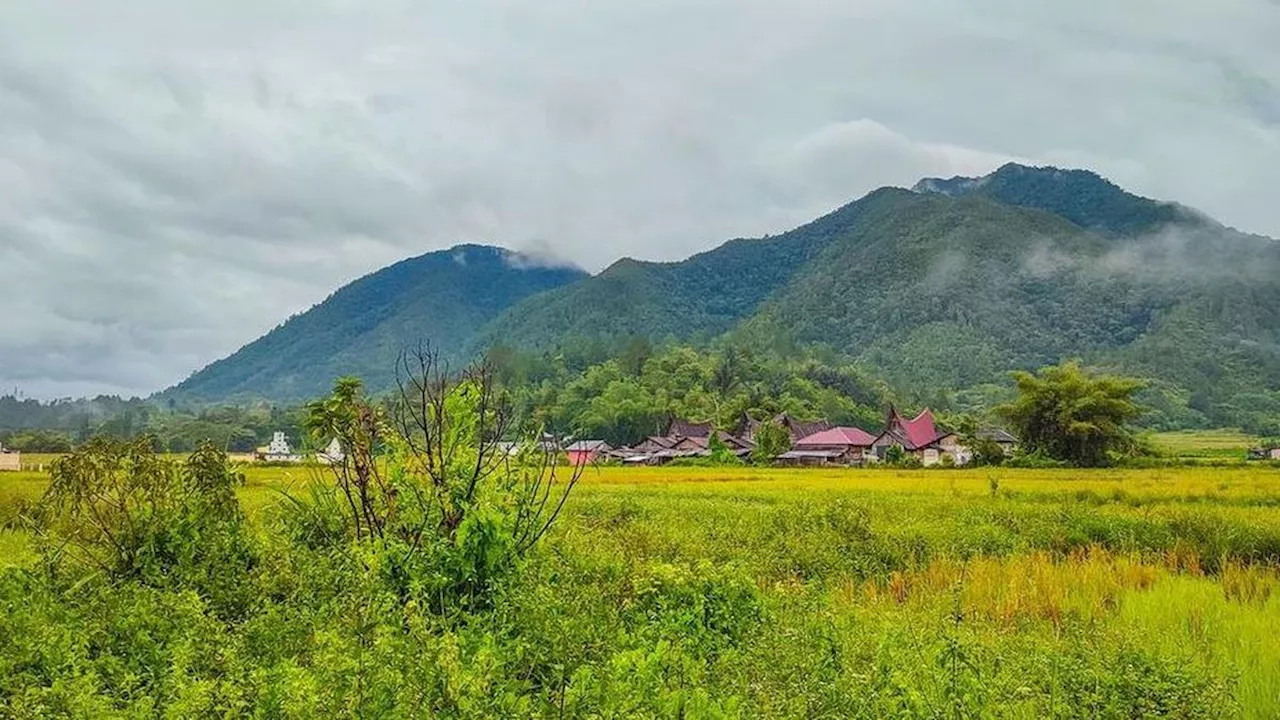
{"x":913,"y":434}
{"x":685,"y":428}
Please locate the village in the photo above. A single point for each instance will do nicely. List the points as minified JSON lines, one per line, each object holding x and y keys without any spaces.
{"x":811,"y":443}
{"x":917,"y":440}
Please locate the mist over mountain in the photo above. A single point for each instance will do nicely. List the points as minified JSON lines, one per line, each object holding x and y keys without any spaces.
{"x":939,"y":288}
{"x":360,"y":329}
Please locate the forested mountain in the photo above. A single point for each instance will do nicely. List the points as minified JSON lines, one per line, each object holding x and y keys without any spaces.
{"x":359,"y":330}
{"x":1083,"y":197}
{"x":937,"y":289}
{"x":697,"y":298}
{"x":944,"y":292}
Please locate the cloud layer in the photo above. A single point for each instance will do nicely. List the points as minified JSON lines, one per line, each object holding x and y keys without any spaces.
{"x":176,"y":178}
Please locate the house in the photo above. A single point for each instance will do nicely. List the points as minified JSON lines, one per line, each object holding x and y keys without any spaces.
{"x":1007,"y":442}
{"x":684,"y":428}
{"x":546,"y":444}
{"x":653,"y":444}
{"x":807,"y":458}
{"x":797,"y":429}
{"x":332,"y":455}
{"x":658,"y":457}
{"x":919,"y":437}
{"x":583,"y":452}
{"x":701,"y":446}
{"x":837,"y":445}
{"x":1254,"y":454}
{"x":658,"y":450}
{"x":278,"y":450}
{"x":10,"y":460}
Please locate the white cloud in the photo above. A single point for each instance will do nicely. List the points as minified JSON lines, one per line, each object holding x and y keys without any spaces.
{"x":176,"y":178}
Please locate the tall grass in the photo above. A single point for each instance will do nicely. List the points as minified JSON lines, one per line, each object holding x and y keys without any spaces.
{"x":703,"y":592}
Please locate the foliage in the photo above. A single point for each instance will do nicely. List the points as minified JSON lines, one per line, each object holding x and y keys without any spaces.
{"x":895,"y":455}
{"x":771,"y":441}
{"x":429,"y":487}
{"x":722,"y":385}
{"x":1069,"y":415}
{"x":37,"y":441}
{"x":444,"y":295}
{"x":712,"y":593}
{"x":121,"y":509}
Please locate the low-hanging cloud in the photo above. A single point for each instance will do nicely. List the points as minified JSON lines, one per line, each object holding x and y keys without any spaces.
{"x":176,"y":178}
{"x":1172,"y":254}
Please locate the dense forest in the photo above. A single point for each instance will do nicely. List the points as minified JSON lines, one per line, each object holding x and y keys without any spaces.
{"x":939,"y":292}
{"x":618,"y":394}
{"x":361,"y":327}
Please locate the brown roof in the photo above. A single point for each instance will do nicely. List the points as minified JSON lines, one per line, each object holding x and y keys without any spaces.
{"x":687,"y":428}
{"x":797,"y":429}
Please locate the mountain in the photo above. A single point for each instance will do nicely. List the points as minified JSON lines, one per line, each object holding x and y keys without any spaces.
{"x":700,"y":297}
{"x":1083,"y":197}
{"x":941,"y":292}
{"x":955,"y":282}
{"x":940,"y":288}
{"x":359,"y":330}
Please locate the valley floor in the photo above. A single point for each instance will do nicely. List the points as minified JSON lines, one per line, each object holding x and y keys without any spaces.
{"x":746,"y":592}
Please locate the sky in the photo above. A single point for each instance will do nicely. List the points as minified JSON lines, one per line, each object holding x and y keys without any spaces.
{"x":177,"y":178}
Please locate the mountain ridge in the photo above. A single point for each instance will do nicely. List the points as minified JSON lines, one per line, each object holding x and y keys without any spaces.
{"x":362,"y":326}
{"x":941,"y":287}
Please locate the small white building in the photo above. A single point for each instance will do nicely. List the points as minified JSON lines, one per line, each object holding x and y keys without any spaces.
{"x":10,"y":460}
{"x":332,"y":455}
{"x":278,"y":450}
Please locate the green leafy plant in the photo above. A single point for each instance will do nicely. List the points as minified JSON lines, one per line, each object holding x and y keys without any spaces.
{"x":1067,"y":414}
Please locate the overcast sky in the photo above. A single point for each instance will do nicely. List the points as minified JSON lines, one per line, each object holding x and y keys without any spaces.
{"x":178,"y":177}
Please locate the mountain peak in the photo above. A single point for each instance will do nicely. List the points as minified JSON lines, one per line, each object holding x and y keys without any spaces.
{"x":442,"y":296}
{"x":540,"y":259}
{"x":1011,"y":172}
{"x":1081,"y":196}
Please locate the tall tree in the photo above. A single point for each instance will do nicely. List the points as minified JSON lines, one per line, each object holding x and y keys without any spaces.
{"x":1068,"y":414}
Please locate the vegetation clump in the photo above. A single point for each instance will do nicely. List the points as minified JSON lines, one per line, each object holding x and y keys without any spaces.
{"x":1066,"y":414}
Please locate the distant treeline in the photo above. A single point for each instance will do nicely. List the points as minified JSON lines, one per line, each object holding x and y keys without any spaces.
{"x":619,"y":393}
{"x":32,"y":426}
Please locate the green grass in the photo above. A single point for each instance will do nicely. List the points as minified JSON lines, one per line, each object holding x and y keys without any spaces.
{"x":745,"y":592}
{"x":1222,"y":443}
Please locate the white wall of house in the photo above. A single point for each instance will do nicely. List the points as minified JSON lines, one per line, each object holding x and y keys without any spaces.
{"x":279,"y":445}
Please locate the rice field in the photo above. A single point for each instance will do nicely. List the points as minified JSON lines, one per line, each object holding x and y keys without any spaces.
{"x":752,"y":592}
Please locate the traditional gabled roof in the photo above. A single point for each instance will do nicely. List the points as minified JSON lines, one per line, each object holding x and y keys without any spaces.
{"x":797,"y":429}
{"x":689,"y":443}
{"x":686,"y":428}
{"x":838,"y":436}
{"x":589,"y":446}
{"x":913,"y":434}
{"x":735,"y":442}
{"x":998,"y":434}
{"x":801,"y":428}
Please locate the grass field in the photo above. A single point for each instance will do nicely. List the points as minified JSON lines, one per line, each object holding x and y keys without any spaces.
{"x":812,"y":593}
{"x":1220,"y":444}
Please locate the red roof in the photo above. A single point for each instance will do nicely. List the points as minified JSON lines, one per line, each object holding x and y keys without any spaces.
{"x":918,"y":431}
{"x":856,"y":437}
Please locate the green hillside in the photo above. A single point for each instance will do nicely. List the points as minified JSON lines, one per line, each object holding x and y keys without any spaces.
{"x":953,"y":284}
{"x":1083,"y":197}
{"x":359,"y":330}
{"x":938,"y":289}
{"x":697,"y":298}
{"x":945,"y":293}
